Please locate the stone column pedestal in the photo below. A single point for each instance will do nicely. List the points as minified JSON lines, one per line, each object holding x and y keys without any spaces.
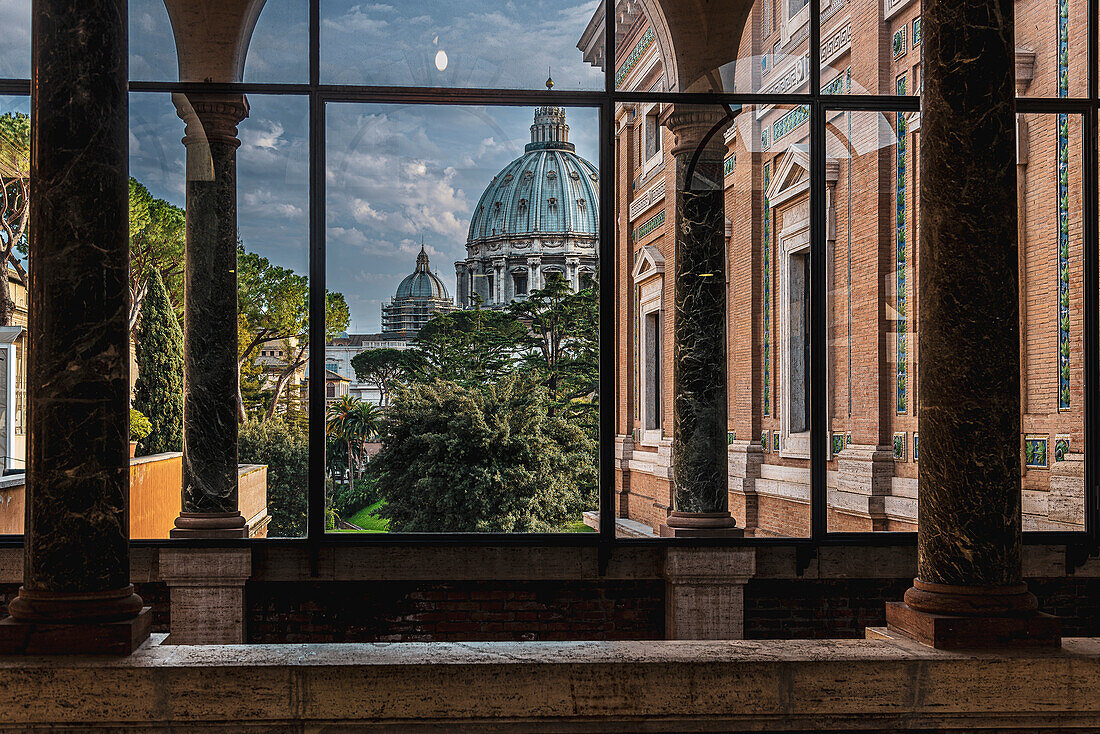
{"x":210,"y":409}
{"x":76,"y":595}
{"x":705,"y":597}
{"x":700,"y":491}
{"x":969,"y":590}
{"x":207,"y":594}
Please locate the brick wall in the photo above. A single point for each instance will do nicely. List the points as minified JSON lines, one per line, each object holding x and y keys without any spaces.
{"x":811,"y":608}
{"x":399,"y":611}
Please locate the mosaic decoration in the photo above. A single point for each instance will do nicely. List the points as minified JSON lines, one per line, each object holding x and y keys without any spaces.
{"x":1035,"y":452}
{"x":916,"y":32}
{"x":635,"y":56}
{"x":788,"y":122}
{"x":1063,"y":210}
{"x":767,"y":276}
{"x":766,"y":441}
{"x":650,"y":225}
{"x":837,"y":443}
{"x":916,"y":445}
{"x":764,"y":142}
{"x":729,"y":164}
{"x":731,"y":436}
{"x":902,"y":286}
{"x":899,"y":446}
{"x":836,"y":86}
{"x":764,"y":63}
{"x":899,"y":42}
{"x":847,"y":439}
{"x":775,"y":441}
{"x":1061,"y":447}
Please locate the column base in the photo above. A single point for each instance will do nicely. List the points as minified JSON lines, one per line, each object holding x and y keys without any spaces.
{"x":210,"y":525}
{"x":700,"y":525}
{"x":75,"y":638}
{"x":957,"y":632}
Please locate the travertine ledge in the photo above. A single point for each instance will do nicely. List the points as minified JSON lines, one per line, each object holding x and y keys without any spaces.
{"x":880,"y":684}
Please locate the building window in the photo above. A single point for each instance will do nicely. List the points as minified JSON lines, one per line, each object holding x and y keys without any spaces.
{"x":330,"y":390}
{"x":652,"y":135}
{"x":652,"y":371}
{"x":798,"y":352}
{"x":519,"y":281}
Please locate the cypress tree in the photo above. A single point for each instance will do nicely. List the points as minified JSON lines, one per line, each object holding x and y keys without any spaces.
{"x":158,"y":392}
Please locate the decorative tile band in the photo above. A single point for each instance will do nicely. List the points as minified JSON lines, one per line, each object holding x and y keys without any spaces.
{"x":729,"y":164}
{"x":1035,"y":452}
{"x":767,"y":288}
{"x":836,"y":86}
{"x":775,"y":441}
{"x":764,"y":141}
{"x":766,"y":441}
{"x":837,"y":443}
{"x":635,"y":56}
{"x":1061,"y":447}
{"x":899,"y":446}
{"x":788,"y":122}
{"x":902,"y":285}
{"x":650,"y":225}
{"x":731,"y":436}
{"x":916,"y":31}
{"x":1063,"y":210}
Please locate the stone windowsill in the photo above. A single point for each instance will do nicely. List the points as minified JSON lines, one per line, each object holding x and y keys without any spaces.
{"x":885,"y":684}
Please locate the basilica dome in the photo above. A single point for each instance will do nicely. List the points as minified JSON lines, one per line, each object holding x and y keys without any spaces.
{"x":548,"y":190}
{"x":422,"y":283}
{"x":538,"y":217}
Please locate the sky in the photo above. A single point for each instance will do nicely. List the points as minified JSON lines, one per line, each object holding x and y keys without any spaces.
{"x":396,"y":174}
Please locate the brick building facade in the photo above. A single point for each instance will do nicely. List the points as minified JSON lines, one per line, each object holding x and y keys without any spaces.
{"x":872,"y":203}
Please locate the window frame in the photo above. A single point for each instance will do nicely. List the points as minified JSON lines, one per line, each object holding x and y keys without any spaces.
{"x":820,"y":105}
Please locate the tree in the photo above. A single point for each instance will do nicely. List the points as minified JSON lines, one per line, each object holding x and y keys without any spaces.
{"x":158,"y":392}
{"x":15,"y":145}
{"x":562,"y":341}
{"x":285,"y":452}
{"x":157,"y":237}
{"x":352,"y":421}
{"x":456,"y":459}
{"x":471,"y":347}
{"x":383,"y":368}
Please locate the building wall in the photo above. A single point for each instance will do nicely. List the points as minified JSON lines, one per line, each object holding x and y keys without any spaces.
{"x":873,"y":204}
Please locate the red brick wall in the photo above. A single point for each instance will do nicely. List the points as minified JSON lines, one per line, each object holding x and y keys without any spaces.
{"x":398,"y":611}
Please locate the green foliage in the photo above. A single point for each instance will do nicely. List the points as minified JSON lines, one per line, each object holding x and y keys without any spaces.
{"x":157,"y":234}
{"x":561,"y":345}
{"x":285,"y":451}
{"x":352,"y":422}
{"x":456,"y":459}
{"x":139,"y":425}
{"x":347,"y":501}
{"x":158,"y":392}
{"x":472,"y":347}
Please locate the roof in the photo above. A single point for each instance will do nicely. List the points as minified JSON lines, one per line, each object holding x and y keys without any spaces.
{"x":422,"y":283}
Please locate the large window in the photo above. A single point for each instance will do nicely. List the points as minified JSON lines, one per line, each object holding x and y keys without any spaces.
{"x":458,"y":259}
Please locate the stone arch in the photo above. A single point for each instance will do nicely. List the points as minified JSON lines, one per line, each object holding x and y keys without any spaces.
{"x":696,"y":38}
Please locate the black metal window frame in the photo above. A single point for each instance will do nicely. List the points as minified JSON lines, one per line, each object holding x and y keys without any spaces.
{"x":820,"y":104}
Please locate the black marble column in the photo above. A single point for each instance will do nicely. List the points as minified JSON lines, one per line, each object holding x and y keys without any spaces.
{"x":77,"y":563}
{"x":969,"y":516}
{"x":700,"y":492}
{"x":210,"y":317}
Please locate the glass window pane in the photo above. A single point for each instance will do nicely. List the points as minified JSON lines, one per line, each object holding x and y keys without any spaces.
{"x":462,"y":386}
{"x":880,"y":43}
{"x":15,"y":53}
{"x":471,"y":43}
{"x":763,"y":228}
{"x":277,"y":45}
{"x":874,"y":396}
{"x":272,"y":194}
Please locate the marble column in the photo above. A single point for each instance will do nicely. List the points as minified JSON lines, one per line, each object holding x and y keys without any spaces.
{"x":969,"y":588}
{"x":700,"y":491}
{"x":209,"y":507}
{"x":76,"y":545}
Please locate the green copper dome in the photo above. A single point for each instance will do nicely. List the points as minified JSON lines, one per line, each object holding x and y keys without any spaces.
{"x":423,"y":283}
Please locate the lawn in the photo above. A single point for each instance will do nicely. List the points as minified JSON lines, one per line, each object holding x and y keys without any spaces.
{"x":367,"y":518}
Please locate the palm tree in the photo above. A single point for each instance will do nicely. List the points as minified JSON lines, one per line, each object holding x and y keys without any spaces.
{"x":352,"y":421}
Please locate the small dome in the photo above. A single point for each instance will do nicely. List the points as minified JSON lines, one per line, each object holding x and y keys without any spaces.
{"x":423,"y":283}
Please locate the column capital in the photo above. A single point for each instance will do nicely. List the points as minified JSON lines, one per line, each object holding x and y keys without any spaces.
{"x":690,"y":124}
{"x":211,"y":118}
